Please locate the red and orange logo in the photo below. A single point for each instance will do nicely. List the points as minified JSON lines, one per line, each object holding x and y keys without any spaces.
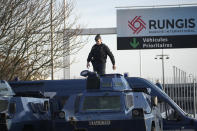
{"x":137,"y":24}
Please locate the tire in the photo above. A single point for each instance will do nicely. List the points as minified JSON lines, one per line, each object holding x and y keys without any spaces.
{"x":28,"y":128}
{"x":80,"y":129}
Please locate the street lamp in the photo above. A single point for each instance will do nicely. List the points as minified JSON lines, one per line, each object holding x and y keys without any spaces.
{"x":162,"y":57}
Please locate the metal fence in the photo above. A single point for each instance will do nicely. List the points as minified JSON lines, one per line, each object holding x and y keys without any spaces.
{"x":182,"y":88}
{"x":184,"y":95}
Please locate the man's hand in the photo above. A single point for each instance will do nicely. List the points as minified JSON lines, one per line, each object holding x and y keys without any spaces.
{"x":114,"y":67}
{"x":88,"y":65}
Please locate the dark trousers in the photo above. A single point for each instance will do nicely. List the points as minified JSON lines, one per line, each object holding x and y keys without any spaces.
{"x":99,"y":68}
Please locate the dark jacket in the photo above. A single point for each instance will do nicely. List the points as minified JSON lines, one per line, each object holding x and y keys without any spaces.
{"x":98,"y":54}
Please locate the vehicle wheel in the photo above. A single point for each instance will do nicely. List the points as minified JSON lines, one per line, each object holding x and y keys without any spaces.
{"x":153,"y":128}
{"x":28,"y":128}
{"x":80,"y":129}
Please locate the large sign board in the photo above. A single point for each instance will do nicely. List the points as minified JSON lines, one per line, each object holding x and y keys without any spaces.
{"x":157,"y":28}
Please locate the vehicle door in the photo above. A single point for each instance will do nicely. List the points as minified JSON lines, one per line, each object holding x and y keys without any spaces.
{"x":172,"y":120}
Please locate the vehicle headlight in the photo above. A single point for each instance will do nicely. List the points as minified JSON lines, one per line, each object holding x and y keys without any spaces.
{"x":61,"y":115}
{"x":3,"y":105}
{"x":72,"y":119}
{"x":138,"y":112}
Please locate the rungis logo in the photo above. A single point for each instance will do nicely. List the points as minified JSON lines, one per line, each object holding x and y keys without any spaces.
{"x":137,"y":24}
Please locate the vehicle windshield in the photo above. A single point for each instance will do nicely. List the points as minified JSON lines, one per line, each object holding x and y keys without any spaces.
{"x":3,"y":105}
{"x":101,"y":103}
{"x":165,"y":96}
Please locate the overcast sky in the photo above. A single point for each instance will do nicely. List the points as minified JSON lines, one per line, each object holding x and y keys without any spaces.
{"x":102,"y":13}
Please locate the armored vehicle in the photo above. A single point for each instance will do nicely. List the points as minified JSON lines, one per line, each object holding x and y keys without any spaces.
{"x":22,"y":111}
{"x":174,"y":118}
{"x":109,"y":104}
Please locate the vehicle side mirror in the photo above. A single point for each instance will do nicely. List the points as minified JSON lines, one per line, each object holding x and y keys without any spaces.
{"x":12,"y":108}
{"x":177,"y":116}
{"x":154,"y":101}
{"x":46,"y":106}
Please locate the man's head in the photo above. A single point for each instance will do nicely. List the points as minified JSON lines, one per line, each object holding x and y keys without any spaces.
{"x":98,"y":39}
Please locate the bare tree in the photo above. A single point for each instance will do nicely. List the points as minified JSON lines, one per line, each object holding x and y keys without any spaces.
{"x":25,"y":49}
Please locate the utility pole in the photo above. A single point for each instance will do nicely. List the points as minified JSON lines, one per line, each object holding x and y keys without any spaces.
{"x":64,"y":58}
{"x":51,"y":6}
{"x":66,"y":42}
{"x":140,"y":63}
{"x":163,"y":77}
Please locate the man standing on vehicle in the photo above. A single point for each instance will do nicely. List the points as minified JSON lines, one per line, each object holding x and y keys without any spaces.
{"x":98,"y":56}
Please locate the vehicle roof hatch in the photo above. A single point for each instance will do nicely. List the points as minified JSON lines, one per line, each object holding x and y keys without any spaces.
{"x":106,"y":82}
